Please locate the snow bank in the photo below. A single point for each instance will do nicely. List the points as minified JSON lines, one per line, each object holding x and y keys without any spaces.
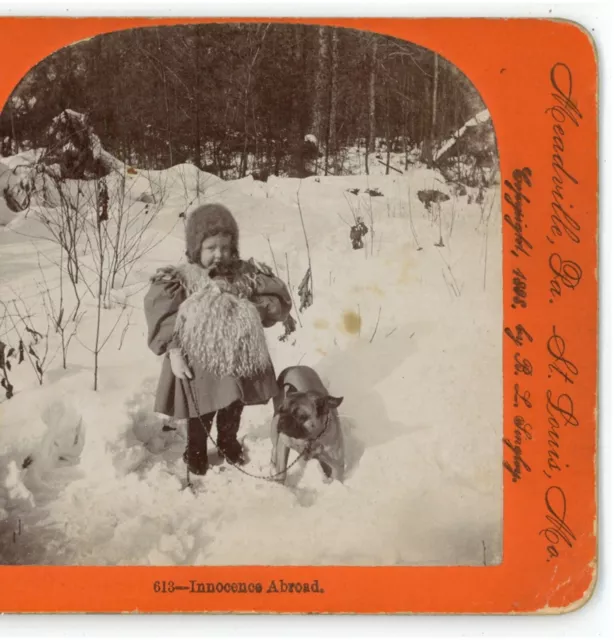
{"x":406,"y":329}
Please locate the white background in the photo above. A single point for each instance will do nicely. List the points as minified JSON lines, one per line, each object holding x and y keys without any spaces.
{"x":595,"y":619}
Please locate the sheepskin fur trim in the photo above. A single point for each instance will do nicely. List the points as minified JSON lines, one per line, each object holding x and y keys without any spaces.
{"x":166,"y":275}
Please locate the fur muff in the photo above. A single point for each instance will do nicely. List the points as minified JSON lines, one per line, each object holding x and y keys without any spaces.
{"x":219,"y":331}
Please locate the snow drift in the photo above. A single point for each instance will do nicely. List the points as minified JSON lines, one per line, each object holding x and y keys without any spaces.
{"x":407,"y":329}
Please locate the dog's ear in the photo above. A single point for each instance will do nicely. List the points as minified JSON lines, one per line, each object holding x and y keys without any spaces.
{"x":333,"y":402}
{"x":327,"y":402}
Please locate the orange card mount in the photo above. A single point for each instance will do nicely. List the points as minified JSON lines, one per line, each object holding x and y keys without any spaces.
{"x":425,"y":191}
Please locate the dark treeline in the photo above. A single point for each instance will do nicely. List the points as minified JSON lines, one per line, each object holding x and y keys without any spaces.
{"x":243,"y":96}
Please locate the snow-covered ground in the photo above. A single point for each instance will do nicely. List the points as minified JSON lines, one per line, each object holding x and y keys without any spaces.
{"x":407,"y":331}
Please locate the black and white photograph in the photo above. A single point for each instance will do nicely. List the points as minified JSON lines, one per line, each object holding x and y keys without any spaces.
{"x":250,"y":303}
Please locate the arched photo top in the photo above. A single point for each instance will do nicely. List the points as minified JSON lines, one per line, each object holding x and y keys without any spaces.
{"x":262,"y":99}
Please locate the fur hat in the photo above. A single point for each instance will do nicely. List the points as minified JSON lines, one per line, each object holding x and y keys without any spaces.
{"x":208,"y":220}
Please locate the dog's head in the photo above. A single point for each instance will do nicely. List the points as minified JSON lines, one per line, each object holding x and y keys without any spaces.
{"x":303,"y":415}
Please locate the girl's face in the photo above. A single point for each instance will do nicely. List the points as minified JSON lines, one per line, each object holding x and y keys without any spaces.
{"x":216,"y":251}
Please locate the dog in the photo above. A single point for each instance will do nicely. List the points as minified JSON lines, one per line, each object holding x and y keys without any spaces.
{"x":305,"y":420}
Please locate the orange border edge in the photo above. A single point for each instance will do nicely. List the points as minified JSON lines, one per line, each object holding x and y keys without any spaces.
{"x":510,"y":62}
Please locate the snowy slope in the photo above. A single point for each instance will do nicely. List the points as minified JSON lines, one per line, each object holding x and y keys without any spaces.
{"x":407,"y":331}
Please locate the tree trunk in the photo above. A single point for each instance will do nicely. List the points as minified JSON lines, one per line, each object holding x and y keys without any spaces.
{"x":404,"y":116}
{"x":424,"y":116}
{"x":434,"y":108}
{"x":16,"y":144}
{"x":444,"y":101}
{"x":334,"y":92}
{"x":169,"y":137}
{"x":413,"y":138}
{"x":101,"y":67}
{"x":388,"y":141}
{"x":197,"y":141}
{"x":370,"y":142}
{"x":297,"y":88}
{"x":372,"y":96}
{"x":458,"y":143}
{"x":68,"y":82}
{"x":248,"y":99}
{"x":320,"y":86}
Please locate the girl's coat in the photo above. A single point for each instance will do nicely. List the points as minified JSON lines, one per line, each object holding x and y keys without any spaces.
{"x":173,"y":324}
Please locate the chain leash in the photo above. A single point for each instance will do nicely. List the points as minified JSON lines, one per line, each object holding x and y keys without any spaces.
{"x":270,"y":478}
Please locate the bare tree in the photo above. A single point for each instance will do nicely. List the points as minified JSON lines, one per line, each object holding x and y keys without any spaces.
{"x":305,"y":289}
{"x":320,"y":86}
{"x":65,"y":324}
{"x":100,"y":242}
{"x":63,"y":206}
{"x":388,"y":139}
{"x":429,"y":139}
{"x":33,"y":337}
{"x":197,"y":46}
{"x":434,"y":108}
{"x":167,"y":109}
{"x":331,"y":138}
{"x":370,"y":144}
{"x":255,"y":49}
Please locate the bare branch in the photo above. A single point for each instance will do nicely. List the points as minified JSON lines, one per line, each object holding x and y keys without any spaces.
{"x":112,"y":330}
{"x":300,"y":210}
{"x":298,"y":312}
{"x":376,"y":325}
{"x":273,"y":256}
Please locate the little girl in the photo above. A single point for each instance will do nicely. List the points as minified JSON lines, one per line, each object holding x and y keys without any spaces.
{"x":207,"y":317}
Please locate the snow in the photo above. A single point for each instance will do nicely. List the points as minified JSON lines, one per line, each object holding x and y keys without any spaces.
{"x":407,"y":331}
{"x":480,"y":118}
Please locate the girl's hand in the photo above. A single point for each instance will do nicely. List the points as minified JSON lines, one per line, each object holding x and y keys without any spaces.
{"x":179,"y":366}
{"x":269,"y":309}
{"x":240,"y":287}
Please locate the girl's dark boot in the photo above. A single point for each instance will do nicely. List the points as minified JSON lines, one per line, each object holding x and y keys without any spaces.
{"x":195,"y":455}
{"x":228,"y":422}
